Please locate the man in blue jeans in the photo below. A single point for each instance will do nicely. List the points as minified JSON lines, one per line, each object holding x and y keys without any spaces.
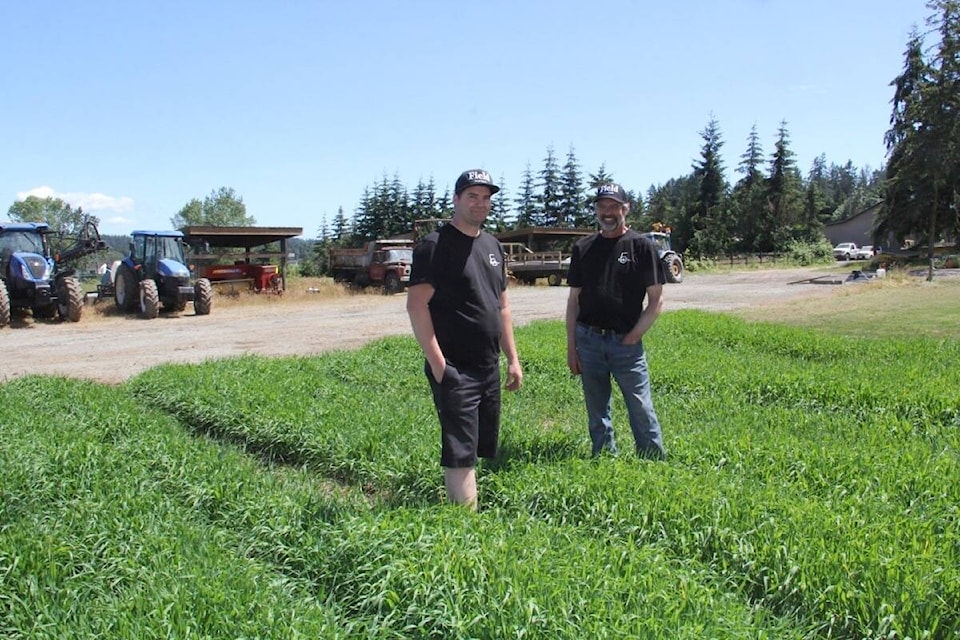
{"x":611,"y":272}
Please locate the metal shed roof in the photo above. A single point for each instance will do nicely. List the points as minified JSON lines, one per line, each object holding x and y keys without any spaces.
{"x":245,"y":237}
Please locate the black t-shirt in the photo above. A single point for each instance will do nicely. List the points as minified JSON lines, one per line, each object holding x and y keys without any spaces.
{"x":468,"y":275}
{"x":613,"y":275}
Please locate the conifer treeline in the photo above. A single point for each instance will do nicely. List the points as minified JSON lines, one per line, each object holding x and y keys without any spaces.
{"x":770,"y":206}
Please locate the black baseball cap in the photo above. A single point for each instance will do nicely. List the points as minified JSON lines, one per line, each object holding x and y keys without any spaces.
{"x":474,"y":178}
{"x":613,"y":191}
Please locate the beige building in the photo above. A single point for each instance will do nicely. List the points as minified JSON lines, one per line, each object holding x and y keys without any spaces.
{"x":857,"y":228}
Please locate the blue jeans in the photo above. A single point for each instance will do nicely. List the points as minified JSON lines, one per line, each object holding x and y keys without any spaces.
{"x":605,"y":355}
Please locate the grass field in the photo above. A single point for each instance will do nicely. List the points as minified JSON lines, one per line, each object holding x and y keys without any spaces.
{"x":811,"y":491}
{"x":898,"y":306}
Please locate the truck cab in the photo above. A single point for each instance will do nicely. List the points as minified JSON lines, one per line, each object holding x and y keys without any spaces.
{"x":845,"y":251}
{"x":391,"y":267}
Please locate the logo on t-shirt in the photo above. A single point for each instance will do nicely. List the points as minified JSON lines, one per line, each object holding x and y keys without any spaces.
{"x":493,"y":260}
{"x":624,"y":257}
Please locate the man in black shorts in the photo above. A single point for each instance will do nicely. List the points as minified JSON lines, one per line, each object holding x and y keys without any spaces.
{"x":611,"y":272}
{"x":457,"y":302}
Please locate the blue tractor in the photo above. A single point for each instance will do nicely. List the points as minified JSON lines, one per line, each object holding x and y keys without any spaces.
{"x":155,"y":275}
{"x":671,"y":261}
{"x":34,"y":277}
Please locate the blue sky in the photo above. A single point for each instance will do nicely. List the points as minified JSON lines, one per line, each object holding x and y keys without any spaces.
{"x":131,"y":109}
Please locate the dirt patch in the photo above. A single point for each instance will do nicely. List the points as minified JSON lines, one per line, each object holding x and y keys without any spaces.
{"x":110,"y":348}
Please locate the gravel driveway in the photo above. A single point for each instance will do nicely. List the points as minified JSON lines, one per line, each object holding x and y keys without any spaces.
{"x":111,"y":348}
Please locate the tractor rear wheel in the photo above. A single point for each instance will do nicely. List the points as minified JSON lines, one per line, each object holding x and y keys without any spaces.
{"x":4,"y":305}
{"x":673,"y":268}
{"x":125,"y":289}
{"x":69,"y":299}
{"x":202,"y":297}
{"x":149,"y":299}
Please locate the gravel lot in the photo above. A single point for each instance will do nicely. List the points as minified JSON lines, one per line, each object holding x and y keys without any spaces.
{"x":111,"y":348}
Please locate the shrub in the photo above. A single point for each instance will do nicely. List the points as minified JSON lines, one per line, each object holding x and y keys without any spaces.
{"x":807,"y":253}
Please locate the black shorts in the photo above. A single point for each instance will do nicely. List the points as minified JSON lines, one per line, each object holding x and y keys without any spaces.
{"x":468,"y":405}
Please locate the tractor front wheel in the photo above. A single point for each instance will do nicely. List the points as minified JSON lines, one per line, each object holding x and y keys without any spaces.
{"x":4,"y":305}
{"x":69,"y":299}
{"x":202,"y":297}
{"x":149,"y":299}
{"x":125,"y":289}
{"x":673,"y":267}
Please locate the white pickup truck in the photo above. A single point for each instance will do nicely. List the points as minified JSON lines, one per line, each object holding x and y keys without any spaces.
{"x":845,"y":251}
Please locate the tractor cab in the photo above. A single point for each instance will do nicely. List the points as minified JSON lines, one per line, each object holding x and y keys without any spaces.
{"x":662,"y":240}
{"x":670,"y":260}
{"x":159,"y":253}
{"x":33,"y":277}
{"x":155,"y":276}
{"x":23,"y":247}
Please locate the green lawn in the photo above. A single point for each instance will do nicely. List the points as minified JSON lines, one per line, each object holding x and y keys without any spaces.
{"x":805,"y":496}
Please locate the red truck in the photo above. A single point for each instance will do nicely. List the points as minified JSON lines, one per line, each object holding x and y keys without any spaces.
{"x":385,"y":263}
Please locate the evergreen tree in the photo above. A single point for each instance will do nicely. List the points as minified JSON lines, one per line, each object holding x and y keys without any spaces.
{"x":365,"y":224}
{"x":636,"y":216}
{"x":445,"y":205}
{"x":588,"y":218}
{"x":500,"y":209}
{"x":599,"y":178}
{"x":572,"y":201}
{"x":751,"y":161}
{"x":341,"y":227}
{"x":811,"y":215}
{"x":815,"y":200}
{"x":923,"y":143}
{"x":383,"y":212}
{"x":748,"y":198}
{"x":526,"y":201}
{"x":549,"y":199}
{"x":398,"y":219}
{"x":433,"y":205}
{"x":316,"y":263}
{"x":783,"y":196}
{"x":708,"y":216}
{"x":421,"y":202}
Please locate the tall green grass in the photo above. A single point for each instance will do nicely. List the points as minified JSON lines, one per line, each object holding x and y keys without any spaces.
{"x":296,"y":497}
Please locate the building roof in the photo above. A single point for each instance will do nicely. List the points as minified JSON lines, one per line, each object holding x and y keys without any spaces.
{"x":541,"y":233}
{"x":245,"y":237}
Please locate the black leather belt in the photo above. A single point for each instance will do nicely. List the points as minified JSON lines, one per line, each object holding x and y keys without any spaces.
{"x":600,"y":331}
